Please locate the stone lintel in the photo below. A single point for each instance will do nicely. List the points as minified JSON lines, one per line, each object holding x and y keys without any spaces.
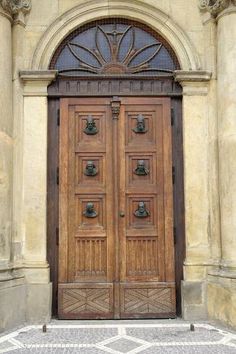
{"x":36,"y":82}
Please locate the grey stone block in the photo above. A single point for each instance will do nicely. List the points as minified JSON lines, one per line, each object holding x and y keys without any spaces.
{"x":39,"y":303}
{"x":12,"y":307}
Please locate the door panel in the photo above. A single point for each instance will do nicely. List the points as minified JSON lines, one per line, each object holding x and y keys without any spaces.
{"x":86,"y":241}
{"x":116,"y":252}
{"x":147,"y":283}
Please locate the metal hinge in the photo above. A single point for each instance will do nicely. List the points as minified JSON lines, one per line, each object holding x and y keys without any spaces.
{"x":57,"y":176}
{"x":58,"y":117}
{"x":173,"y":174}
{"x":57,"y":236}
{"x":172,"y":116}
{"x":175,"y":235}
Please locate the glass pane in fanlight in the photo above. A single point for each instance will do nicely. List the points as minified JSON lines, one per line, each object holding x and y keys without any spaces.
{"x":95,"y":45}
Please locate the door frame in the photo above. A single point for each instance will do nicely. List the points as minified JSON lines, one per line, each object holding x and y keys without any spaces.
{"x":164,"y":86}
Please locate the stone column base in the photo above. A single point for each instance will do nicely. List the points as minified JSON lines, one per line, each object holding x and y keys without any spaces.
{"x":194,"y":300}
{"x":22,"y":303}
{"x":222,"y":299}
{"x":12,"y":303}
{"x":38,"y":303}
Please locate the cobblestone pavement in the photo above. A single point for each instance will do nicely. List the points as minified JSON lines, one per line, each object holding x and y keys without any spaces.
{"x":116,"y":337}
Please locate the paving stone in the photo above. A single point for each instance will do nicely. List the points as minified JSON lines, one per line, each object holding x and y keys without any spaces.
{"x":6,"y":345}
{"x":101,"y":337}
{"x":67,"y":335}
{"x":58,"y":351}
{"x":175,"y":334}
{"x":206,"y":349}
{"x":123,"y":345}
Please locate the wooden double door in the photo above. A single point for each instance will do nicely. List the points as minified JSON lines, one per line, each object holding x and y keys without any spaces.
{"x":116,"y":249}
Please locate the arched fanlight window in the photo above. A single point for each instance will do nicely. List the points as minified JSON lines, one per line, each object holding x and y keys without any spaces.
{"x":114,"y":47}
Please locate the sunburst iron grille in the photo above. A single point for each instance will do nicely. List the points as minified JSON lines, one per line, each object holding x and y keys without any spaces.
{"x":114,"y":47}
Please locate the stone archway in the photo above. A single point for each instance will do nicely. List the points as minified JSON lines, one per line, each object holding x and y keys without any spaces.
{"x":194,"y":82}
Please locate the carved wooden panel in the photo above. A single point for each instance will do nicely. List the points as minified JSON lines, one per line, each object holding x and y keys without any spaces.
{"x":146,"y":222}
{"x":142,"y":257}
{"x":149,"y":137}
{"x":120,"y":86}
{"x":96,"y":178}
{"x":92,"y":301}
{"x":147,"y":300}
{"x":136,"y":175}
{"x":83,"y":139}
{"x":91,"y":260}
{"x":91,"y":223}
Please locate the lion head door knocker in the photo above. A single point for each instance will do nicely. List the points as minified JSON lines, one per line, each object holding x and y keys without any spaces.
{"x":90,"y":212}
{"x":90,"y":169}
{"x":140,"y":127}
{"x":90,"y":128}
{"x":141,"y":169}
{"x":141,"y":212}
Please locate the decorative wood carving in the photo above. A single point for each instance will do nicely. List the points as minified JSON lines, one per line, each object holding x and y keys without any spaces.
{"x":148,"y":301}
{"x":91,"y":258}
{"x":85,"y":302}
{"x":115,"y":107}
{"x":119,"y":86}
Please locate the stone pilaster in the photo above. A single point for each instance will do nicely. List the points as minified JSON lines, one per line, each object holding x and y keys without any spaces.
{"x":224,"y":11}
{"x":19,"y":11}
{"x":34,"y":198}
{"x":12,"y":284}
{"x":6,"y":142}
{"x":11,"y":12}
{"x":222,"y":283}
{"x":197,"y":209}
{"x":227,"y":134}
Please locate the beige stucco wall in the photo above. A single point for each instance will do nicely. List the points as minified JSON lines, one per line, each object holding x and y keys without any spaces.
{"x":193,"y":35}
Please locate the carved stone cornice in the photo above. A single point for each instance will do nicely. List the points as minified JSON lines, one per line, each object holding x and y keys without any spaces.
{"x":17,"y":9}
{"x":215,"y":7}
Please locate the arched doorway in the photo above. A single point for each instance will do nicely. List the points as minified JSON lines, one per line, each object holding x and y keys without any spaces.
{"x":115,"y":112}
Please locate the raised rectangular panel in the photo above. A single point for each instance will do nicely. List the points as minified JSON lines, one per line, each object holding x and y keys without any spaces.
{"x":90,"y":181}
{"x":91,"y":258}
{"x":95,"y":223}
{"x":142,"y":257}
{"x":149,"y":222}
{"x":83,"y":139}
{"x":134,"y":180}
{"x":133,"y":138}
{"x":85,"y":301}
{"x":148,"y":300}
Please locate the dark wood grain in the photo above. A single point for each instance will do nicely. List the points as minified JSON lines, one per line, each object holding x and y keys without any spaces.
{"x":179,"y":210}
{"x":52,"y":197}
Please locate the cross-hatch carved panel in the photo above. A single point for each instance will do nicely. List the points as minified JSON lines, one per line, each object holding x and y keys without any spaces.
{"x":85,"y":301}
{"x":148,"y":300}
{"x":114,"y":47}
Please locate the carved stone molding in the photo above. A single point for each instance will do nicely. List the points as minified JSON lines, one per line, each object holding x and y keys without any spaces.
{"x":17,"y":9}
{"x":215,"y":7}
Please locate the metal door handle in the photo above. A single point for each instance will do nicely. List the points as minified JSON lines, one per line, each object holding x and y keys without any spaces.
{"x":122,"y":214}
